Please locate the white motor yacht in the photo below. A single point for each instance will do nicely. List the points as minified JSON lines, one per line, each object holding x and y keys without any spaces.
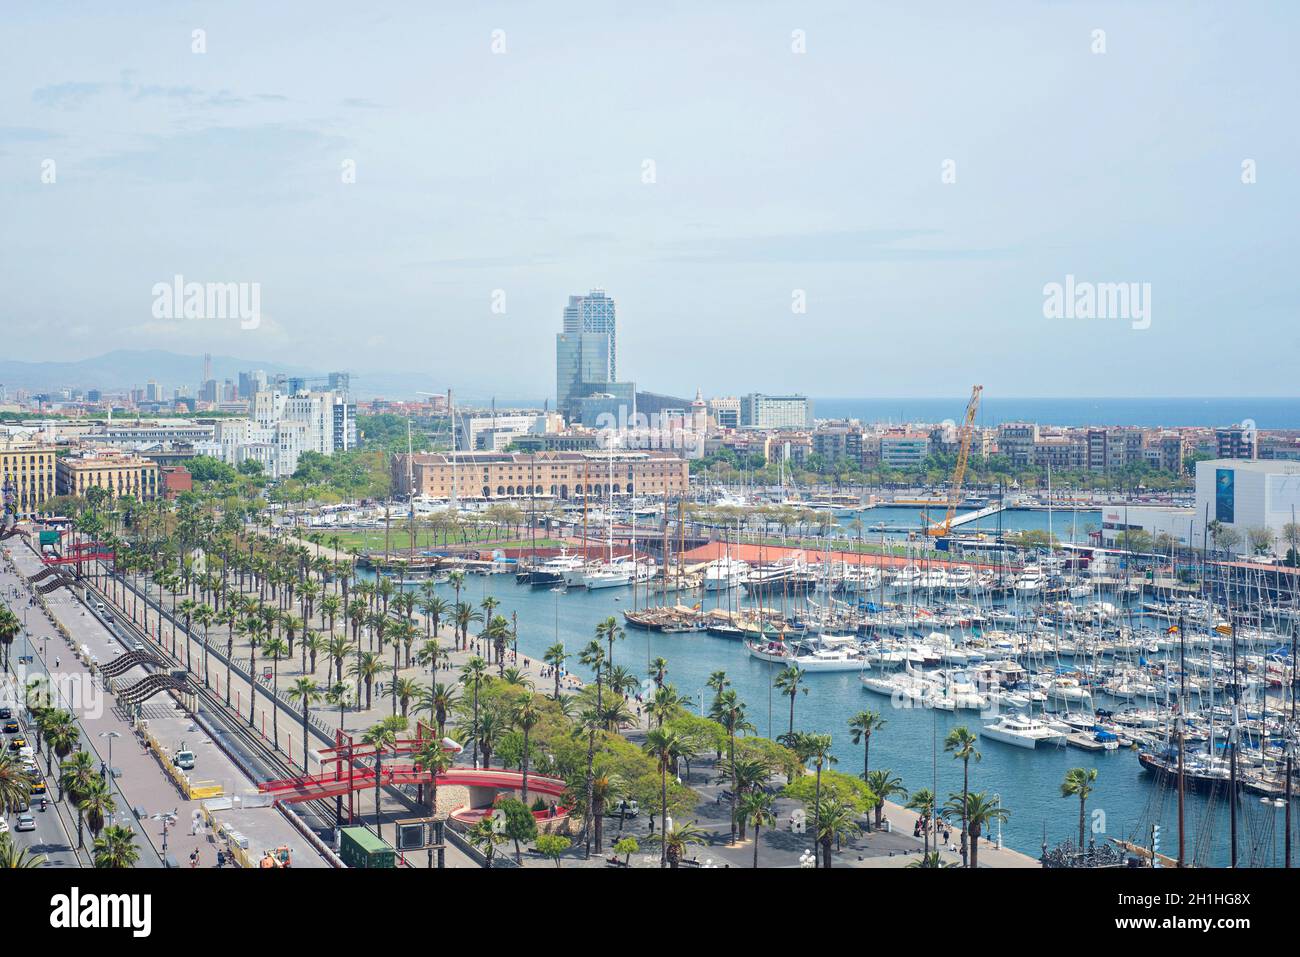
{"x":1023,"y":732}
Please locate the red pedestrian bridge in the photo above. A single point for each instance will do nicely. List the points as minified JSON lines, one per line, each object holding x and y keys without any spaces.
{"x":349,"y":768}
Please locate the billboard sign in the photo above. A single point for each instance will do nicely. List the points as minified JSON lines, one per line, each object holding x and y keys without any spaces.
{"x":1224,"y":496}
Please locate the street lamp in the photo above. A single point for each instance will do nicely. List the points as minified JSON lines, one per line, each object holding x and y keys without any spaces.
{"x":111,"y":771}
{"x":806,"y":859}
{"x":167,"y":817}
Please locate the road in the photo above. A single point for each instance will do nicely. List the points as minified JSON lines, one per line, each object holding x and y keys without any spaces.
{"x":147,"y":798}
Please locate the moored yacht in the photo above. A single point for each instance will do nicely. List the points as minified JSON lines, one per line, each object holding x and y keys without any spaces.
{"x":1021,"y":731}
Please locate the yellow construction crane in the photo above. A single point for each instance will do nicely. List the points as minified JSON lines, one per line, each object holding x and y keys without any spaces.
{"x":959,"y":473}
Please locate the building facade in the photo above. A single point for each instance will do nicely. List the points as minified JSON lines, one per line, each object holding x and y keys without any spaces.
{"x":758,"y":411}
{"x":558,"y":475}
{"x":115,"y":472}
{"x":28,"y":476}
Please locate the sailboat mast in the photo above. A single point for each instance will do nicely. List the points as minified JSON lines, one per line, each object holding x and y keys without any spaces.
{"x":1290,"y":725}
{"x":1179,"y":733}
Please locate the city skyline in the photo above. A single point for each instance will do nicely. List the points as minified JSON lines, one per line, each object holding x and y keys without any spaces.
{"x":794,"y":159}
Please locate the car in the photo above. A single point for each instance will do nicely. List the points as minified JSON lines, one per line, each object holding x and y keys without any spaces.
{"x":99,"y":607}
{"x":17,"y":744}
{"x":38,"y":786}
{"x":11,"y":727}
{"x":6,"y":714}
{"x":184,"y":760}
{"x":4,"y":826}
{"x":25,"y":823}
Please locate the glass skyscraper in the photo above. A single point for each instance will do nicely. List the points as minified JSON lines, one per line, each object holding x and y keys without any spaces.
{"x":586,"y":352}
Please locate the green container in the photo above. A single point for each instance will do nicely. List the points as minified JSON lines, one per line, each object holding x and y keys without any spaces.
{"x":359,"y":848}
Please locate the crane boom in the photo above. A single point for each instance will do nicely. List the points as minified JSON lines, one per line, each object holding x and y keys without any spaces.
{"x":959,"y":473}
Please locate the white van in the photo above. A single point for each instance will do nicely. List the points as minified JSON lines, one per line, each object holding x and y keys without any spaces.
{"x":99,"y":607}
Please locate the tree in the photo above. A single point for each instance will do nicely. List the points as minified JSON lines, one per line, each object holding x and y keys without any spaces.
{"x":675,"y":840}
{"x":665,"y":746}
{"x":115,"y":848}
{"x":382,"y":737}
{"x":981,"y":810}
{"x":306,"y":692}
{"x":961,"y":743}
{"x":435,"y":759}
{"x":627,"y":847}
{"x":835,"y":821}
{"x":1079,"y":783}
{"x":14,"y":857}
{"x":520,"y":826}
{"x":555,"y":657}
{"x":553,"y":845}
{"x":15,"y":785}
{"x":861,"y":726}
{"x":923,"y":802}
{"x":758,"y":807}
{"x":527,"y":714}
{"x":486,"y":838}
{"x":789,"y":682}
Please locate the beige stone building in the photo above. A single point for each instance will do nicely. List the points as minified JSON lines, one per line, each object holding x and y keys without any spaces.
{"x":118,"y":473}
{"x":559,"y":475}
{"x":27,"y":475}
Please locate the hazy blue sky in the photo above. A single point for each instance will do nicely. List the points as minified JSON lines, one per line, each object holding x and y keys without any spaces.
{"x":775,"y":171}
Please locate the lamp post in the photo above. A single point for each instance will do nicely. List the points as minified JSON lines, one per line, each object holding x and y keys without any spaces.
{"x":167,"y":818}
{"x":110,"y":772}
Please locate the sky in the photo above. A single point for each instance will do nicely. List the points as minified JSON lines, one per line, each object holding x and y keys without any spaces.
{"x":855,"y":199}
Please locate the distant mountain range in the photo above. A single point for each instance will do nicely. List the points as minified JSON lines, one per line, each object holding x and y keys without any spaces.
{"x":127,"y":368}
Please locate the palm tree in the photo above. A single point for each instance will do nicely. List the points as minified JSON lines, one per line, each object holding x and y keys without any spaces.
{"x":789,"y":681}
{"x":665,"y":746}
{"x":922,"y":802}
{"x":382,"y":737}
{"x":435,"y":759}
{"x":14,"y":857}
{"x":1079,"y":783}
{"x":15,"y":785}
{"x":94,"y":805}
{"x":604,"y":785}
{"x":275,"y":649}
{"x":406,"y":690}
{"x":610,"y":630}
{"x":861,"y":726}
{"x":729,"y":711}
{"x":526,"y":715}
{"x":555,"y":657}
{"x":115,"y":848}
{"x":485,"y":837}
{"x":981,"y":810}
{"x":884,"y":784}
{"x":757,"y":807}
{"x":818,"y":748}
{"x":306,"y":692}
{"x":76,"y":776}
{"x":675,"y":840}
{"x":835,"y":820}
{"x":339,"y":694}
{"x":368,"y":666}
{"x":205,"y":616}
{"x":472,"y":673}
{"x":659,"y":671}
{"x":437,"y":702}
{"x":11,"y":627}
{"x":962,"y":743}
{"x":932,"y":860}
